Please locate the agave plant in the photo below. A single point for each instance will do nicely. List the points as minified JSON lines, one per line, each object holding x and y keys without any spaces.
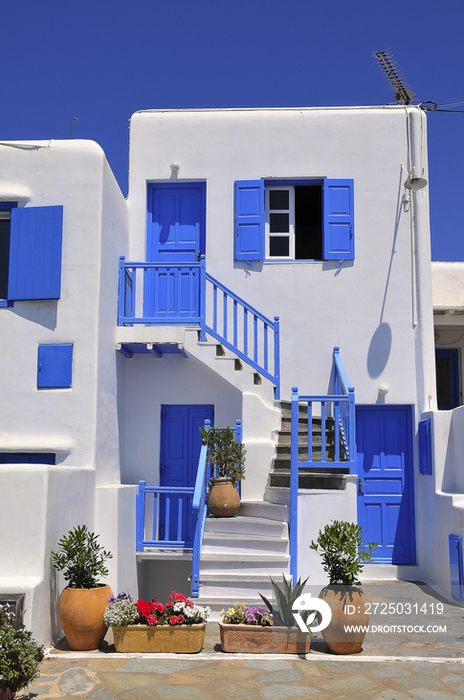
{"x":282,"y":611}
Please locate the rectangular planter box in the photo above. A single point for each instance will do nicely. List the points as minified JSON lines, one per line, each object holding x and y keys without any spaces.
{"x":186,"y":639}
{"x":251,"y":639}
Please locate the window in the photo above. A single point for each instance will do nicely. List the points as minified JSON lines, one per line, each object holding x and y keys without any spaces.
{"x":30,"y":252}
{"x":27,"y":458}
{"x":54,"y":366}
{"x":294,"y":220}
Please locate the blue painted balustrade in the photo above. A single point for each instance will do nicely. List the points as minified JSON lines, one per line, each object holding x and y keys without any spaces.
{"x":163,"y":521}
{"x":339,"y":407}
{"x":186,"y":295}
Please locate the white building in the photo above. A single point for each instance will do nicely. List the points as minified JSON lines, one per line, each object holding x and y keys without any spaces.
{"x":297,"y":214}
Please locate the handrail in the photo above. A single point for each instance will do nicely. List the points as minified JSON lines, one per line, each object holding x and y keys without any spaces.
{"x":343,"y":402}
{"x":237,"y":328}
{"x":155,"y":540}
{"x":184,"y":294}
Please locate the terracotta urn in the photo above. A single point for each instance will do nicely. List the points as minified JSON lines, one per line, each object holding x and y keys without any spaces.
{"x":223,"y":498}
{"x":81,"y":616}
{"x":350,"y":608}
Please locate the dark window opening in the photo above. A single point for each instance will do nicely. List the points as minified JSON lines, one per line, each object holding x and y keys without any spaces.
{"x":27,"y":458}
{"x":308,"y":222}
{"x":4,"y":252}
{"x":279,"y":246}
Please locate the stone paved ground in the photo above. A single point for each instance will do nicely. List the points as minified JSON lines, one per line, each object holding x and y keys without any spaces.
{"x":392,"y":666}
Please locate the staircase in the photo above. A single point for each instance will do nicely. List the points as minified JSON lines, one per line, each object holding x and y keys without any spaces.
{"x":317,"y":476}
{"x":240,"y":554}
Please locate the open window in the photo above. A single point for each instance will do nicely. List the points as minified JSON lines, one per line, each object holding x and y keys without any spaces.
{"x":294,"y":220}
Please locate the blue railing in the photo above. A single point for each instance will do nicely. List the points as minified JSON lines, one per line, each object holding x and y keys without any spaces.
{"x":186,"y":295}
{"x":339,"y":407}
{"x":169,"y":513}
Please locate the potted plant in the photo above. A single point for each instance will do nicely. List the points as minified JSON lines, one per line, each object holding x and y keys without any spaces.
{"x":344,"y":554}
{"x":20,"y":656}
{"x":82,"y":603}
{"x":149,"y":626}
{"x":266,"y":630}
{"x":227,"y":457}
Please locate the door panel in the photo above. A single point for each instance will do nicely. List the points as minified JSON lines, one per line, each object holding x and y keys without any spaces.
{"x":385,"y":497}
{"x":180,"y":451}
{"x":176,"y":223}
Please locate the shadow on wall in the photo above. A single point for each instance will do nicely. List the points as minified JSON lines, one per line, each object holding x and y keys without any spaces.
{"x":379,"y":350}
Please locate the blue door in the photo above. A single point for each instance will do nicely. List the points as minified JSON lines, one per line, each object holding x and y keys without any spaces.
{"x":175,"y":240}
{"x":180,"y":451}
{"x":176,"y":222}
{"x":385,"y":481}
{"x":447,"y":370}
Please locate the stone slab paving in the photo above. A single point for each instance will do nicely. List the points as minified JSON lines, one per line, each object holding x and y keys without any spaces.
{"x":394,"y":665}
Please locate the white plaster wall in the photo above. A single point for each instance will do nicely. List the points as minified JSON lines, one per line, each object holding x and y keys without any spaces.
{"x":150,"y":383}
{"x":370,"y":307}
{"x":448,"y":284}
{"x":316,"y":509}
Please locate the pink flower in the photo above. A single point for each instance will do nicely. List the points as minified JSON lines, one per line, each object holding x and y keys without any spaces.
{"x":152,"y":619}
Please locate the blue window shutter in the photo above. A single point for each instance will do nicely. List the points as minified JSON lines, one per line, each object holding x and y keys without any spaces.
{"x":338,"y":219}
{"x":456,"y":569}
{"x":35,"y":253}
{"x":249,"y":220}
{"x":54,"y":366}
{"x":425,"y":446}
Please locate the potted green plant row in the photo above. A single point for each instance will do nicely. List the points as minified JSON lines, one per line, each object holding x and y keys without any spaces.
{"x":82,"y":559}
{"x":227,"y":457}
{"x":344,"y":554}
{"x":266,"y":630}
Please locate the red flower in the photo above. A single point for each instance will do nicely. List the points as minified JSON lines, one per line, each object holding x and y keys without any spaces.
{"x":177,"y":597}
{"x":152,"y":619}
{"x":144,"y":608}
{"x":176,"y":620}
{"x":159,"y":607}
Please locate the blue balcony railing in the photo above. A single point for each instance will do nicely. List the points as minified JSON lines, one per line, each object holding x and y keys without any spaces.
{"x":339,"y":408}
{"x":186,"y":295}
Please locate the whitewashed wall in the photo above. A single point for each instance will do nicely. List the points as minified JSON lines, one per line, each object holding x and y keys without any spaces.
{"x":370,"y":307}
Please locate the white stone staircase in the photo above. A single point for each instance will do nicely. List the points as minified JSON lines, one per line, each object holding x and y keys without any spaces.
{"x":241,"y":553}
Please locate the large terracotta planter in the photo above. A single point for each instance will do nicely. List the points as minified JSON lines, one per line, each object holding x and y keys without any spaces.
{"x":253,"y":639}
{"x":223,"y":498}
{"x":81,"y":616}
{"x":7,"y":694}
{"x":348,"y":605}
{"x":185,"y":639}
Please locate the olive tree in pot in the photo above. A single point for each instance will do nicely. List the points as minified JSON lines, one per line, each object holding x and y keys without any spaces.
{"x":82,"y":603}
{"x":344,"y":554}
{"x":227,"y":457}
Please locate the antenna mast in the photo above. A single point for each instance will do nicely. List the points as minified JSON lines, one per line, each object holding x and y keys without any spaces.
{"x":403,"y":92}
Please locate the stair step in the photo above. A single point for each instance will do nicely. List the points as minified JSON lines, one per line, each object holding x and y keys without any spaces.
{"x":311,"y":480}
{"x":246,"y":525}
{"x":266,"y":509}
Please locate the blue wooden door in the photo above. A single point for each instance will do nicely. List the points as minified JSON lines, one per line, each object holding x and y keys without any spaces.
{"x":180,"y":451}
{"x":176,"y":222}
{"x":385,"y":484}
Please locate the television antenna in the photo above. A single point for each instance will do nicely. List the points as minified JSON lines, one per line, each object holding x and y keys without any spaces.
{"x":403,"y":93}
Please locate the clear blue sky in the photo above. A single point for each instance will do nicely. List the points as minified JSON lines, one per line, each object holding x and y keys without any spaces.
{"x":102,"y":60}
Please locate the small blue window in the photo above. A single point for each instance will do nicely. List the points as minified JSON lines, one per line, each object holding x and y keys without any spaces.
{"x":425,"y":446}
{"x":54,"y":367}
{"x":27,"y":458}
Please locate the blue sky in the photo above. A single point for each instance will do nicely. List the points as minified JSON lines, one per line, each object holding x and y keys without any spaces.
{"x":103,"y":60}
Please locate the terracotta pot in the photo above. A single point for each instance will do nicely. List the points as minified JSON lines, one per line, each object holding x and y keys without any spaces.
{"x":134,"y":639}
{"x":7,"y":694}
{"x":223,"y":498}
{"x":253,"y":639}
{"x":348,"y":605}
{"x":81,"y":616}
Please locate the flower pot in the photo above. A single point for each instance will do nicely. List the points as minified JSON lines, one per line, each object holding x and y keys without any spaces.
{"x":183,"y":639}
{"x":253,"y":639}
{"x":7,"y":694}
{"x":348,"y":605}
{"x":81,"y":616}
{"x":223,"y":498}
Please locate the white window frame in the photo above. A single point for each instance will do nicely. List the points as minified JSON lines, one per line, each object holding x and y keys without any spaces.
{"x":291,"y":225}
